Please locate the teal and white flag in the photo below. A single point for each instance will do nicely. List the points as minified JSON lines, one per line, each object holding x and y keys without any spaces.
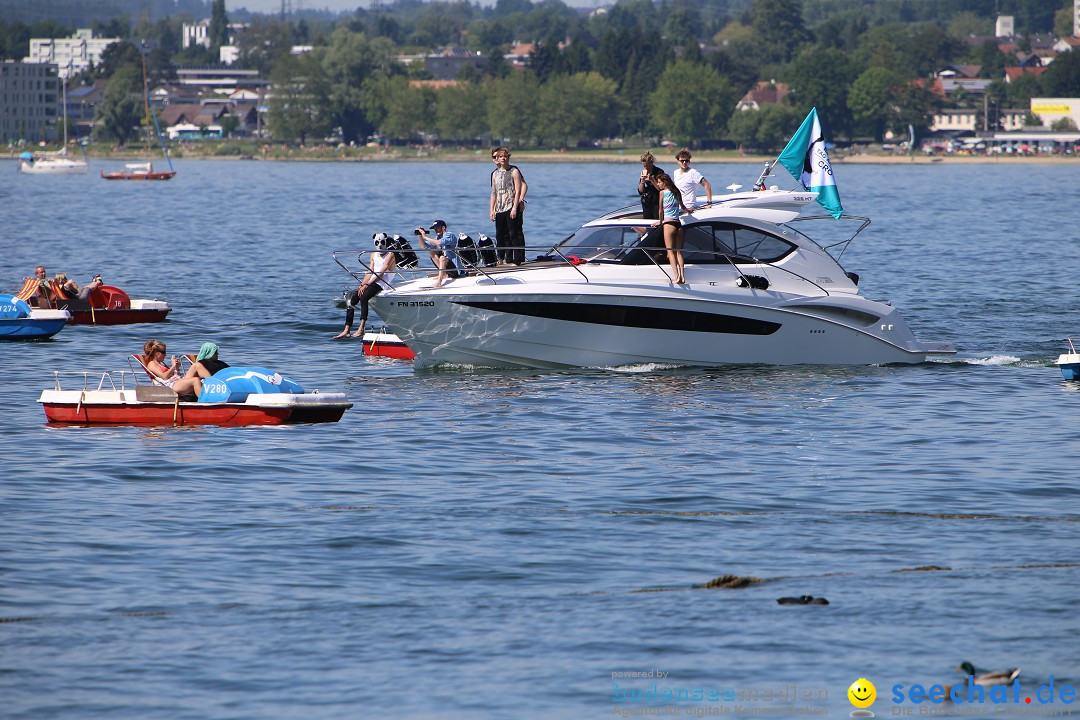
{"x":805,"y":158}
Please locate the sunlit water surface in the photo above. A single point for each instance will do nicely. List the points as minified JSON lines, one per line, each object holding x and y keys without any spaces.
{"x":496,"y":544}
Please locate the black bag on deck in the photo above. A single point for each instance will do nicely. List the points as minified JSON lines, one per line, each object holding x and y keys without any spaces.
{"x":466,"y":250}
{"x":403,"y":253}
{"x":485,"y":246}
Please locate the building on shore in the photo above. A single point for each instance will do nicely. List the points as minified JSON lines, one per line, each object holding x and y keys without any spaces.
{"x":72,"y":55}
{"x":29,"y":101}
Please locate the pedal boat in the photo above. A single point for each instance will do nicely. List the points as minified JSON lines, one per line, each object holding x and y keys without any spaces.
{"x":19,"y":321}
{"x":383,"y":343}
{"x":117,"y":398}
{"x":109,"y":305}
{"x":1069,"y":363}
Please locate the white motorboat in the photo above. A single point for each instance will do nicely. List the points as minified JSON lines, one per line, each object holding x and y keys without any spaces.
{"x":55,"y":163}
{"x":58,"y":163}
{"x":759,"y":291}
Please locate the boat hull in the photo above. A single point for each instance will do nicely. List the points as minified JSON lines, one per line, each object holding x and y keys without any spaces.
{"x":121,"y":407}
{"x":30,"y":328}
{"x":598,"y":330}
{"x":117,"y":317}
{"x":384,"y":344}
{"x":1069,"y":363}
{"x":54,"y":167}
{"x":120,"y":175}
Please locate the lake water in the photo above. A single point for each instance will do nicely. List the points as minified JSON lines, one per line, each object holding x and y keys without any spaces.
{"x":505,"y":544}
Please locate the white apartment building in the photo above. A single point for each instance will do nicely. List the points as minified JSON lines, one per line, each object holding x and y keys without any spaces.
{"x":72,"y":55}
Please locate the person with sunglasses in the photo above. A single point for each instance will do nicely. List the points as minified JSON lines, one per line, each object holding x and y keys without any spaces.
{"x":687,"y":179}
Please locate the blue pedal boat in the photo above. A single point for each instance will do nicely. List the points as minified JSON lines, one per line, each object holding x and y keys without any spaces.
{"x":1069,"y":363}
{"x":19,"y":321}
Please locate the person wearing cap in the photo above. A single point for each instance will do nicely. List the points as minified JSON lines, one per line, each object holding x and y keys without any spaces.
{"x":377,"y":279}
{"x":441,"y":246}
{"x":508,"y":189}
{"x":206,"y":364}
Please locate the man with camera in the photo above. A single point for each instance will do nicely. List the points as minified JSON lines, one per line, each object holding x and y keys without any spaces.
{"x":441,"y":247}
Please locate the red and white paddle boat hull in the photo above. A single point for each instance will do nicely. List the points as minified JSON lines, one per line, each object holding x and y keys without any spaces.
{"x":109,"y":305}
{"x":142,"y":404}
{"x":383,"y":343}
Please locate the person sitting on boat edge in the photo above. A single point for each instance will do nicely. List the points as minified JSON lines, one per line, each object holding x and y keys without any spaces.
{"x":169,"y":375}
{"x":441,"y":247}
{"x":376,"y":280}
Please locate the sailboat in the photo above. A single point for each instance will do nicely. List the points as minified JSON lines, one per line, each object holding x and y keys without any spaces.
{"x":54,"y":163}
{"x":145,"y":170}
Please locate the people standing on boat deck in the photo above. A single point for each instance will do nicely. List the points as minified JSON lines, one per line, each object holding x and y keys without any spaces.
{"x":441,"y":247}
{"x":646,"y":187}
{"x":672,"y":206}
{"x":508,"y":189}
{"x":381,"y":272}
{"x":687,"y":179}
{"x":169,"y":375}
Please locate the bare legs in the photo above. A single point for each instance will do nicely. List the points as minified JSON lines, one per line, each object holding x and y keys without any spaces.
{"x":673,"y":242}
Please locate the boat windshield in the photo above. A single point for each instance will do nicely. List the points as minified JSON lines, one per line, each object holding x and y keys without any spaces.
{"x":610,"y":242}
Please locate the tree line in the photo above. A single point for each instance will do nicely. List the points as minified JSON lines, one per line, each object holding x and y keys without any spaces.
{"x":672,"y":69}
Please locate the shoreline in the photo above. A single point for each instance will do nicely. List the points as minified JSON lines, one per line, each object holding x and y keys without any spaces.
{"x":571,"y":156}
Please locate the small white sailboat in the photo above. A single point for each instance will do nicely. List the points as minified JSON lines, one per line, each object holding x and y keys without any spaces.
{"x":54,"y":163}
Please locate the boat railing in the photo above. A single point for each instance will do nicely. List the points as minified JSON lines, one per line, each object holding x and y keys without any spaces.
{"x":576,"y":256}
{"x":106,"y":380}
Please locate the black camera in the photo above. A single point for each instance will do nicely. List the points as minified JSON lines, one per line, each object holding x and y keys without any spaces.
{"x":417,"y":232}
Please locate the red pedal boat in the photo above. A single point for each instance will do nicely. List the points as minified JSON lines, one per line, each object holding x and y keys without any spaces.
{"x":118,"y":399}
{"x":383,"y":343}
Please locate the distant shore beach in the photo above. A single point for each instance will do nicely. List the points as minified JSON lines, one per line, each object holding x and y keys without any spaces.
{"x":325,"y":153}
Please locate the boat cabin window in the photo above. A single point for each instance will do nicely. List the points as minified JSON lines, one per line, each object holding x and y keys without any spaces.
{"x":708,"y":243}
{"x":606,"y":242}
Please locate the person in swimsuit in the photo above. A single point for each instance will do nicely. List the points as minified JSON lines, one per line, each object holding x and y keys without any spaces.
{"x":169,"y":375}
{"x":671,"y":203}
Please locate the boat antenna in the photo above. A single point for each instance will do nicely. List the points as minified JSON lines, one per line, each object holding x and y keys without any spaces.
{"x":760,"y":184}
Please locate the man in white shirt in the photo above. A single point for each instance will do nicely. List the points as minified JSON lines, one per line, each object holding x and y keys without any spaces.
{"x":687,"y":179}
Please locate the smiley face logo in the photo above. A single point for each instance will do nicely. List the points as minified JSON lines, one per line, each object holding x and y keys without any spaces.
{"x":862,"y":693}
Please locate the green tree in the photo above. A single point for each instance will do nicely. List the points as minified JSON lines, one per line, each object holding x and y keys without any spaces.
{"x":460,"y":115}
{"x":1063,"y":124}
{"x":349,"y":60}
{"x":691,"y":117}
{"x":871,"y":100}
{"x":229,"y":123}
{"x":299,"y":102}
{"x":219,"y":26}
{"x":263,"y":42}
{"x":780,"y":25}
{"x":396,"y":108}
{"x":1062,"y":78}
{"x":122,"y":107}
{"x":820,"y":77}
{"x":513,"y":108}
{"x":915,"y":106}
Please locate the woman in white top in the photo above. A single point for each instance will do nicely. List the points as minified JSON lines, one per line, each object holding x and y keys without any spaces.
{"x":381,"y":273}
{"x":687,"y":179}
